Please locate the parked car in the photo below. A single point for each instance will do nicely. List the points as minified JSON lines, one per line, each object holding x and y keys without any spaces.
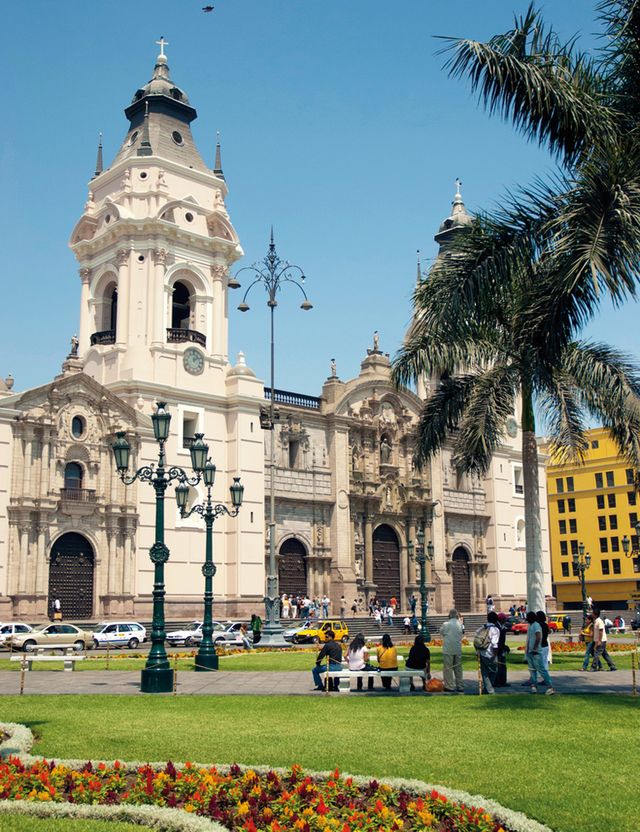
{"x":228,"y":633}
{"x":192,"y":633}
{"x":290,"y":632}
{"x":522,"y":627}
{"x":555,"y":621}
{"x":317,"y":632}
{"x":50,"y":635}
{"x":11,"y":628}
{"x":119,"y":634}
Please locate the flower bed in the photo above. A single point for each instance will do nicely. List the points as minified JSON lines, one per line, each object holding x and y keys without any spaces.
{"x":579,"y":647}
{"x":243,"y":800}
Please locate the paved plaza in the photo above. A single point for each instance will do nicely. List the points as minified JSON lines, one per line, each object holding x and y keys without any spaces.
{"x":289,"y":683}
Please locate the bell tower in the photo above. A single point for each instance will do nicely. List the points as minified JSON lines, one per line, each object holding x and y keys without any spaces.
{"x":154,"y":246}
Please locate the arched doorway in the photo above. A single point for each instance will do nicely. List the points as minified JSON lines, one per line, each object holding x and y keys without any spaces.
{"x":386,"y":563}
{"x":180,"y":306}
{"x":71,"y":575}
{"x":461,"y":576}
{"x":292,"y":568}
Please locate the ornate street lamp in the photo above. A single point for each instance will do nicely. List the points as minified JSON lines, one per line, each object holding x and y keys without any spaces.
{"x":581,"y":563}
{"x":421,"y":557}
{"x":272,"y":273}
{"x":629,"y":550}
{"x":157,"y":676}
{"x":206,"y":658}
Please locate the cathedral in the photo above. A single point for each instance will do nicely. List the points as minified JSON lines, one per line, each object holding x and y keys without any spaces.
{"x":155,"y":246}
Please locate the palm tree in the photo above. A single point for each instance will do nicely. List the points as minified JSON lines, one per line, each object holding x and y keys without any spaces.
{"x":484,"y":327}
{"x":586,"y":110}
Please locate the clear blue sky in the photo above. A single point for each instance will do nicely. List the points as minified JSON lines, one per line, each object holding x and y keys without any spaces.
{"x":338,"y":124}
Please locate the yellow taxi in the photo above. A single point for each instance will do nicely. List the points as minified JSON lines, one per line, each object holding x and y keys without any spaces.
{"x":555,"y":620}
{"x":316,"y":632}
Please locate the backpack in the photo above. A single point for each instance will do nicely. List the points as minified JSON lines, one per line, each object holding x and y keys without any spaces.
{"x":481,"y":638}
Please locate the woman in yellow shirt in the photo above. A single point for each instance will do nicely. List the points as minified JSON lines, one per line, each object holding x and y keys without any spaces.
{"x":587,"y":635}
{"x":387,"y":659}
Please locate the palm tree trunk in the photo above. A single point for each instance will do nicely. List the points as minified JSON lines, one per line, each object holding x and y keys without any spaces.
{"x":533,"y":534}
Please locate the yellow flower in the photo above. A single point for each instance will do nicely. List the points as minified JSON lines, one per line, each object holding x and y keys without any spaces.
{"x":243,"y":808}
{"x":189,"y":807}
{"x":44,"y":796}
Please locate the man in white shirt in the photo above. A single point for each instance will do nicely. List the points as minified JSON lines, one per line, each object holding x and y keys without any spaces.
{"x":600,"y":644}
{"x":489,"y":656}
{"x":452,"y":631}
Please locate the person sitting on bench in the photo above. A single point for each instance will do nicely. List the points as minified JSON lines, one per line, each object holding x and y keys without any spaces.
{"x":358,"y":657}
{"x":419,"y":658}
{"x":332,"y":650}
{"x":387,"y":659}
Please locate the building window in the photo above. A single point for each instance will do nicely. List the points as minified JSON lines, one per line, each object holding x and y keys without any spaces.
{"x":77,"y":426}
{"x":574,"y":547}
{"x":599,"y":481}
{"x":604,"y":544}
{"x":562,"y":525}
{"x":565,"y":570}
{"x":631,"y":498}
{"x":634,"y":542}
{"x":611,"y":500}
{"x":613,"y":521}
{"x":569,"y":483}
{"x":630,"y":477}
{"x":615,"y":544}
{"x":571,"y":505}
{"x":610,"y":479}
{"x":600,"y":501}
{"x":560,"y":485}
{"x":636,"y":564}
{"x":633,"y":518}
{"x":605,"y":567}
{"x":294,"y":453}
{"x":520,"y":533}
{"x":180,"y":307}
{"x":518,"y":482}
{"x":560,"y":506}
{"x":563,"y":548}
{"x":573,"y":526}
{"x":73,"y":476}
{"x":574,"y":570}
{"x":615,"y":563}
{"x":595,"y":444}
{"x":602,"y":524}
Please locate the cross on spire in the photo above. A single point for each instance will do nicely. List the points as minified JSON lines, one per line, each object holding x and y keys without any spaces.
{"x":458,"y":186}
{"x":162,"y":43}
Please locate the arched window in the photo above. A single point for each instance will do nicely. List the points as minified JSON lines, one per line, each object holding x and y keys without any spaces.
{"x":113,"y":310}
{"x":520,"y":533}
{"x":73,"y":476}
{"x":180,"y":307}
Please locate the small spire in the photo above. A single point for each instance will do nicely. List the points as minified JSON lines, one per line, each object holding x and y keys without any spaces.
{"x":162,"y":43}
{"x":218,"y":163}
{"x":99,"y":163}
{"x":271,"y":242}
{"x":145,"y":145}
{"x":418,"y":272}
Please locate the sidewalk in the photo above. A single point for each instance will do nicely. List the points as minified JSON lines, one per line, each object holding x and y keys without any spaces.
{"x":290,"y":683}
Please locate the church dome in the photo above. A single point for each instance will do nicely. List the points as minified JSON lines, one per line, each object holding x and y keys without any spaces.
{"x":161,"y":84}
{"x":459,"y":218}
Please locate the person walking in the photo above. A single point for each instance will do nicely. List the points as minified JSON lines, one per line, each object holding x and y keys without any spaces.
{"x":566,"y":624}
{"x":378,"y":617}
{"x":503,"y":651}
{"x":600,"y":644}
{"x":419,"y":658}
{"x":256,"y":628}
{"x":332,"y":652}
{"x":294,"y":606}
{"x":486,"y":644}
{"x":490,"y":605}
{"x":545,"y":648}
{"x":286,"y":606}
{"x":534,"y":656}
{"x":57,"y":610}
{"x":343,"y":606}
{"x":452,"y":631}
{"x":325,"y":606}
{"x":587,"y":637}
{"x":358,"y":658}
{"x":412,"y":604}
{"x":387,"y":656}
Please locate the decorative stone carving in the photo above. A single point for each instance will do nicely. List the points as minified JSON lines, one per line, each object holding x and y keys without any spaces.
{"x":160,"y":256}
{"x":122,"y":257}
{"x":219,"y":271}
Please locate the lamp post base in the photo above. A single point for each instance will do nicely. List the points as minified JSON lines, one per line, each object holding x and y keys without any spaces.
{"x":206,"y":663}
{"x":156,"y":680}
{"x":272,"y":638}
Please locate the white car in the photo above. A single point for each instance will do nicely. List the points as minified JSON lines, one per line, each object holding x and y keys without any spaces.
{"x":228,"y":633}
{"x":12,"y":628}
{"x":290,"y":633}
{"x":192,"y":634}
{"x":119,"y":634}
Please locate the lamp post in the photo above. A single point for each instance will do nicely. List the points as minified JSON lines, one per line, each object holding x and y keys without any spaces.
{"x":421,"y":557}
{"x":207,"y":658}
{"x":157,"y":676}
{"x":581,"y":563}
{"x":629,"y":550}
{"x":272,"y":273}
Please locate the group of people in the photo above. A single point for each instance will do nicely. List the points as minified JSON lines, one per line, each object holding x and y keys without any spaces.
{"x":595,"y":635}
{"x":329,"y":659}
{"x":294,"y":606}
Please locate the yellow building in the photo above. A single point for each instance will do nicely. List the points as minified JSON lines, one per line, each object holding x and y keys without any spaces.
{"x":594,"y":503}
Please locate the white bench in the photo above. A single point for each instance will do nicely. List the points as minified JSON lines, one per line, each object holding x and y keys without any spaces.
{"x":68,"y":659}
{"x":403,"y":676}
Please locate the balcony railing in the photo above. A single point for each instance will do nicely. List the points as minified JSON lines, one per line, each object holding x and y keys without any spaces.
{"x":181,"y":336}
{"x":78,"y":495}
{"x":107,"y":336}
{"x":295,"y":399}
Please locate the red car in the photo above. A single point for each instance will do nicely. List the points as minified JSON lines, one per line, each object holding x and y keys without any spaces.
{"x":522,"y":627}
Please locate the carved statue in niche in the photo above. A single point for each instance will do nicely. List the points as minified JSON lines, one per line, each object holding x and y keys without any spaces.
{"x":357,"y":567}
{"x":385,"y":451}
{"x":355,"y":458}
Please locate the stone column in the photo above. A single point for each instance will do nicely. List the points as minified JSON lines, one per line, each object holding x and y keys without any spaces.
{"x":85,"y":318}
{"x":112,"y":577}
{"x":41,"y":560}
{"x":127,"y":563}
{"x":215,"y":331}
{"x":28,"y":464}
{"x":122,"y":326}
{"x":160,"y":259}
{"x":23,"y":530}
{"x":368,"y":547}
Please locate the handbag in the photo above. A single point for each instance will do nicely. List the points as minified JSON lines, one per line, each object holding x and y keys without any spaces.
{"x":434,"y":685}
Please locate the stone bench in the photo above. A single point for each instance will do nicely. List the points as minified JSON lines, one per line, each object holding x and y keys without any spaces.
{"x":42,"y":654}
{"x":404,"y":677}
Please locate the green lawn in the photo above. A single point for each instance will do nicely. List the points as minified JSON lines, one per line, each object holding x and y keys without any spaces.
{"x":535,"y":754}
{"x":24,"y":823}
{"x":303,"y":661}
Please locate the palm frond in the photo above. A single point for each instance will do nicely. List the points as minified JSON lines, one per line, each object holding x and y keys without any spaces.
{"x":563,"y":417}
{"x":549,"y":91}
{"x":440,"y":416}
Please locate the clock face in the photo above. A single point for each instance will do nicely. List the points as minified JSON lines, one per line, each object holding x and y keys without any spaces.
{"x":193,"y":361}
{"x":512,"y":427}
